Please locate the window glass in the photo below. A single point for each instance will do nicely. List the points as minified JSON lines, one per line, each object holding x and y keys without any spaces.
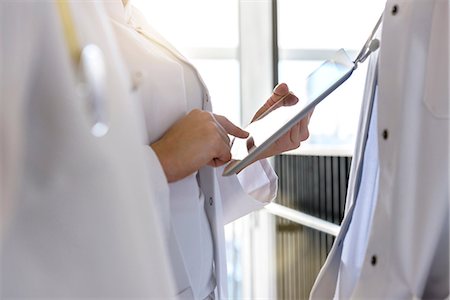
{"x":221,"y":76}
{"x":315,"y":30}
{"x":326,"y":24}
{"x":194,"y":23}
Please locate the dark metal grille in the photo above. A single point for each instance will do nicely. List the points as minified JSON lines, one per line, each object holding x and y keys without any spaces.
{"x":315,"y":185}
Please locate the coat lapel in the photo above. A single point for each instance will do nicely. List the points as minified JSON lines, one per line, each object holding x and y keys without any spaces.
{"x":325,"y":285}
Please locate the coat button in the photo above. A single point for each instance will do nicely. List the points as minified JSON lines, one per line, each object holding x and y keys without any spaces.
{"x":385,"y":134}
{"x":211,"y":201}
{"x":394,"y":9}
{"x":373,"y":260}
{"x":137,"y":79}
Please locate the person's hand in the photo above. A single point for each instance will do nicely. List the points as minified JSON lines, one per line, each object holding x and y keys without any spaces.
{"x":297,"y":134}
{"x":198,"y":139}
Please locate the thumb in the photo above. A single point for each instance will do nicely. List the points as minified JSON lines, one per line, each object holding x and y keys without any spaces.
{"x":279,"y":91}
{"x":281,"y":96}
{"x":230,"y":128}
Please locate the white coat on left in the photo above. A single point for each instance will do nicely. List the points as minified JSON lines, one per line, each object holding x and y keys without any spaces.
{"x":81,"y":220}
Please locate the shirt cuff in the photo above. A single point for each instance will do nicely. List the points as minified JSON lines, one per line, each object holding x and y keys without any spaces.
{"x":259,"y":181}
{"x":249,"y":191}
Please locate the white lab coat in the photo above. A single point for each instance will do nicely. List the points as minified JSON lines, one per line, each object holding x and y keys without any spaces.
{"x":81,"y":218}
{"x":168,"y":87}
{"x":407,"y":250}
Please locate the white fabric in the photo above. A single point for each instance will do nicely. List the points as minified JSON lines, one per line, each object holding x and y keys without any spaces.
{"x":83,"y":223}
{"x":407,"y":254}
{"x":169,"y":88}
{"x":355,"y":241}
{"x":258,"y":191}
{"x":325,"y":285}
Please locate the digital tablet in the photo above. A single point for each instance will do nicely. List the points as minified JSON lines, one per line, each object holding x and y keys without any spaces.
{"x":279,"y":119}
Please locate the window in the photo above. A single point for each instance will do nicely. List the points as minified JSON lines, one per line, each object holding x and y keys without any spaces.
{"x":309,"y":32}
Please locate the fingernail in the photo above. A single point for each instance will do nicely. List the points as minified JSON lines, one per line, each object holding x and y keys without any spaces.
{"x":273,"y":91}
{"x":277,"y":86}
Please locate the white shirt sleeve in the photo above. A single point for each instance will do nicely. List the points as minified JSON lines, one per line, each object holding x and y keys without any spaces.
{"x":250,"y":190}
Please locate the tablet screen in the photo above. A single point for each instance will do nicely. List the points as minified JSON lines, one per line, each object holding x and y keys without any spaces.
{"x":276,"y":122}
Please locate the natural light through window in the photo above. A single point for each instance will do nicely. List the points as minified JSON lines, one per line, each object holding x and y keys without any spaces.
{"x":194,"y":23}
{"x":309,"y":32}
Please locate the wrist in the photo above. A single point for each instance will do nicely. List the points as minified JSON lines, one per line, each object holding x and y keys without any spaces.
{"x":163,"y":155}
